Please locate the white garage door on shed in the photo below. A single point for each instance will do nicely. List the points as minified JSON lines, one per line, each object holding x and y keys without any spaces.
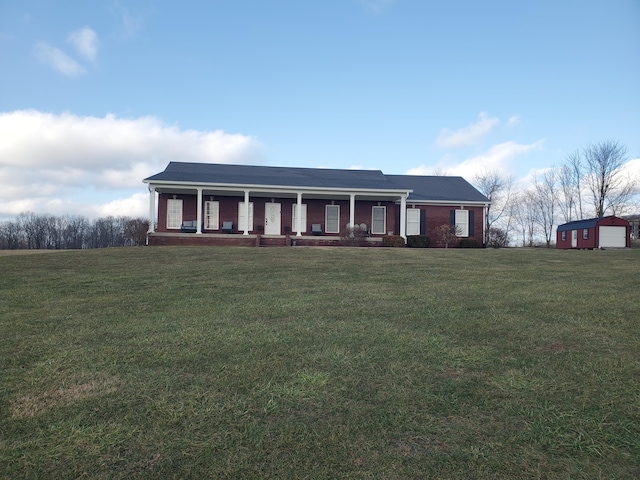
{"x":613,"y":237}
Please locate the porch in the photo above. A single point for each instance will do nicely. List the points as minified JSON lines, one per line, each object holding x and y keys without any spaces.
{"x":242,"y":240}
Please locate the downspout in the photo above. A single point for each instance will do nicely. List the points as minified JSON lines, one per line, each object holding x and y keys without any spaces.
{"x":199,"y":212}
{"x":484,"y":224}
{"x":152,"y":209}
{"x":403,"y":217}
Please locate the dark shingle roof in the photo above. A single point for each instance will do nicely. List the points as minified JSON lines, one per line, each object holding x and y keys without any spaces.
{"x":437,"y":188}
{"x":579,"y":224}
{"x":425,"y":188}
{"x":277,"y":176}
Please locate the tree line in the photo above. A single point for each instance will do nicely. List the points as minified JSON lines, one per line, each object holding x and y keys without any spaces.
{"x":591,"y":183}
{"x":43,"y":231}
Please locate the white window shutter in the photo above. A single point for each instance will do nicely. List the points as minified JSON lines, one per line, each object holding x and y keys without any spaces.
{"x":294,"y":217}
{"x":241,"y":216}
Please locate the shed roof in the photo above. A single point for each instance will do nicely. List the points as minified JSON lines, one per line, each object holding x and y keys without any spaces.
{"x":580,"y":224}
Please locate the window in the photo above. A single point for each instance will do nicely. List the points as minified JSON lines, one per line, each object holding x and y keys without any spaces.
{"x":585,"y":233}
{"x":379,"y":220}
{"x":174,"y":213}
{"x":564,"y":236}
{"x":332,"y":219}
{"x":241,"y":216}
{"x":303,"y":219}
{"x":462,"y":222}
{"x":211,"y":215}
{"x":413,"y":221}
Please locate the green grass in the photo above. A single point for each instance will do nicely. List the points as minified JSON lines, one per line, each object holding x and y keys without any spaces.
{"x":320,"y":363}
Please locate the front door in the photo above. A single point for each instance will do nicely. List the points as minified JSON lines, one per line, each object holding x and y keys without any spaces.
{"x":272,"y":219}
{"x":574,"y":238}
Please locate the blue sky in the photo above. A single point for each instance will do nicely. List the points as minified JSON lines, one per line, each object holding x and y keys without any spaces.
{"x":98,"y":95}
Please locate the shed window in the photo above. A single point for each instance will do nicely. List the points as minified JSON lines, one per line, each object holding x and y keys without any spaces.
{"x":564,"y":236}
{"x":332,"y":219}
{"x":379,"y":220}
{"x":585,"y":233}
{"x":174,"y":213}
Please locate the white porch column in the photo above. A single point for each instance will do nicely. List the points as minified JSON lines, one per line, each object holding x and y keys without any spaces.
{"x":152,"y":209}
{"x":199,"y":214}
{"x":352,"y":209}
{"x":484,"y":223}
{"x":246,"y":213}
{"x":403,"y":217}
{"x":299,"y":217}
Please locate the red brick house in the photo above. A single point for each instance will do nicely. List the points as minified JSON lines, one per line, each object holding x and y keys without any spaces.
{"x":219,"y":204}
{"x":602,"y":232}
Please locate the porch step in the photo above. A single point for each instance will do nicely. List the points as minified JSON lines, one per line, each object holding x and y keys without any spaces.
{"x":273,"y":241}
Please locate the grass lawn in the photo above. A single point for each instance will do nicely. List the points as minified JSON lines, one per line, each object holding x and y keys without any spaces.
{"x":320,"y":363}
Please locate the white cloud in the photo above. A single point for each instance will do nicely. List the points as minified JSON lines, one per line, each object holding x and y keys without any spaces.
{"x":137,"y":205}
{"x":130,"y":23}
{"x":85,"y":41}
{"x":632,"y":168}
{"x":48,"y":161}
{"x":469,"y":135}
{"x":513,"y":121}
{"x":498,"y":157}
{"x":57,"y":59}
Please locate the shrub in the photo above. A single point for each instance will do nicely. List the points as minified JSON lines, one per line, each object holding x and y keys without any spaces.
{"x":418,"y":241}
{"x":393,"y":241}
{"x":447,"y":235}
{"x":353,"y":236}
{"x":497,"y":238}
{"x":469,"y":243}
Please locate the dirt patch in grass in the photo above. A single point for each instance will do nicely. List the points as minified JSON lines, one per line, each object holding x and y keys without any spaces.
{"x":29,"y":406}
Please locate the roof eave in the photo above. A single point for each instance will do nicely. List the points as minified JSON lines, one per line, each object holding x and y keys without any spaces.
{"x":449,"y":202}
{"x":274,"y":188}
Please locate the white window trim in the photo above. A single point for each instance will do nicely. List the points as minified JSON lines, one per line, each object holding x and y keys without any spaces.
{"x":303,"y":219}
{"x":413,"y":225}
{"x":212,"y":215}
{"x":462,"y":224}
{"x":326,"y":219}
{"x":174,"y":214}
{"x":383,"y":230}
{"x":241,"y":216}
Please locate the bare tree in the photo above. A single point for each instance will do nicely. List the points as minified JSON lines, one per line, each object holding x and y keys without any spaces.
{"x":610,"y":189}
{"x":569,"y":180}
{"x":34,"y":227}
{"x":136,"y":231}
{"x":524,"y":215}
{"x":574,"y":173}
{"x":545,"y":193}
{"x":11,"y":235}
{"x":498,"y":189}
{"x":75,"y":231}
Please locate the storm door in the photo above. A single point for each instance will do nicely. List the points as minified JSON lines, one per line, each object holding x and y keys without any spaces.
{"x":272,"y":219}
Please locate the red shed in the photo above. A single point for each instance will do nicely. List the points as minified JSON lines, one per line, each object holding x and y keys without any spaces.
{"x":602,"y":232}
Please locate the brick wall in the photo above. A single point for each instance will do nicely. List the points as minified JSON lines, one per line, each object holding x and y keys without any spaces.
{"x":435,"y":216}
